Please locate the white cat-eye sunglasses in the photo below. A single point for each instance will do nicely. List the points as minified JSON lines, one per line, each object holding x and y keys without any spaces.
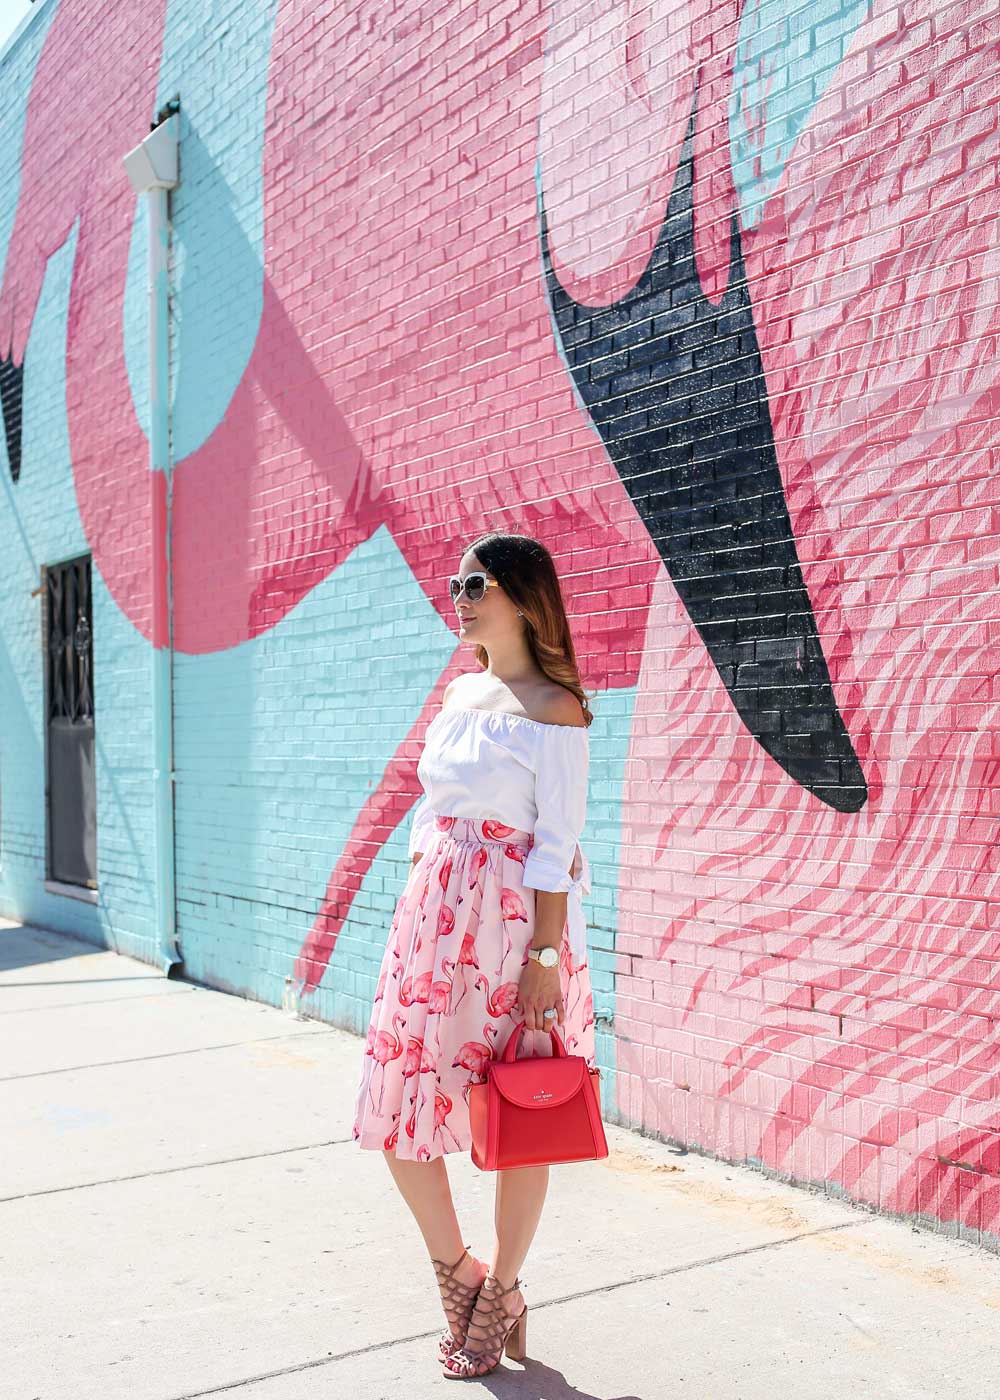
{"x":475,"y":586}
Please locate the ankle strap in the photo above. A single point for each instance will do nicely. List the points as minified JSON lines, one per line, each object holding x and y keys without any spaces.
{"x":449,"y":1267}
{"x":498,"y":1292}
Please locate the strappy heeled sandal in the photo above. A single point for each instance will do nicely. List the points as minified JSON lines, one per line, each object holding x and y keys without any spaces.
{"x":459,"y":1300}
{"x":501,"y":1334}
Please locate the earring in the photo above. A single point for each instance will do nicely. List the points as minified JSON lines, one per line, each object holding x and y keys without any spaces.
{"x":520,"y":613}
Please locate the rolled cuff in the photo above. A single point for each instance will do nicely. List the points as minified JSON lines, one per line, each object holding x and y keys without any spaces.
{"x":541,"y":874}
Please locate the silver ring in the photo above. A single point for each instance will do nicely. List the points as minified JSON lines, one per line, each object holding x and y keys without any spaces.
{"x":551,"y":1011}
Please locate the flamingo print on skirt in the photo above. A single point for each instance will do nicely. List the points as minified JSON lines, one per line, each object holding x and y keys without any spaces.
{"x":447,"y":990}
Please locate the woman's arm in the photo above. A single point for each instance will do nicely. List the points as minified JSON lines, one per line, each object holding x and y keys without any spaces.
{"x":550,"y":917}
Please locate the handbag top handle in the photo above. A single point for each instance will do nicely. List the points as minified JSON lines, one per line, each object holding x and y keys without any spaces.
{"x":514,"y":1040}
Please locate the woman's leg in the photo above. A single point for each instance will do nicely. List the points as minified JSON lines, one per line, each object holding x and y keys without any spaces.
{"x":427,"y":1191}
{"x":520,"y":1195}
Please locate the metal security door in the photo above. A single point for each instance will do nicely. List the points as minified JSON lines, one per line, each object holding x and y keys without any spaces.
{"x":71,"y":799}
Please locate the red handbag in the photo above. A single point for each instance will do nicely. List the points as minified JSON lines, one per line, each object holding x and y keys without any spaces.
{"x":536,"y":1111}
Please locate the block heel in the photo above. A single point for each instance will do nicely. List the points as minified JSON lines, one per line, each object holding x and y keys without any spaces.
{"x":516,"y":1342}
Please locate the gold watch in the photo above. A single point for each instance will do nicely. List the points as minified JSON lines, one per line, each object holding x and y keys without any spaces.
{"x":548,"y":957}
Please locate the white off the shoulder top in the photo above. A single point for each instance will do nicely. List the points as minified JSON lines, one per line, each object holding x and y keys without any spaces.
{"x":530,"y":775}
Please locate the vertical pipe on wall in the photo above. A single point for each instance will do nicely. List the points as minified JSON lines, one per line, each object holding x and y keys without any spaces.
{"x":152,"y":168}
{"x":160,"y":488}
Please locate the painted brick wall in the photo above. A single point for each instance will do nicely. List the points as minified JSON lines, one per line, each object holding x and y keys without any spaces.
{"x":705,"y":298}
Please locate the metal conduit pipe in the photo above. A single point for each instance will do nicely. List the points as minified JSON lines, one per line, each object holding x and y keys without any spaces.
{"x":152,"y":170}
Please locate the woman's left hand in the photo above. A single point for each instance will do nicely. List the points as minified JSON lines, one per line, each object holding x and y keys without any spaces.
{"x":538,"y":989}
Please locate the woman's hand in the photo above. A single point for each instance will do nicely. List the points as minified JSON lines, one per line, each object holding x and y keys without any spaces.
{"x":538,"y":989}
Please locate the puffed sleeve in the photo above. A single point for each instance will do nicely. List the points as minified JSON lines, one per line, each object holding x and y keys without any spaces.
{"x":420,"y":826}
{"x":562,"y":763}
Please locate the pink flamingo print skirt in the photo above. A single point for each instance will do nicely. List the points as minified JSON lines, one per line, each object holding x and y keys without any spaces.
{"x":447,"y":990}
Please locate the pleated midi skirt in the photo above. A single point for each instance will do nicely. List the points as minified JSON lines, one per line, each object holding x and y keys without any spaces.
{"x":445,"y":1003}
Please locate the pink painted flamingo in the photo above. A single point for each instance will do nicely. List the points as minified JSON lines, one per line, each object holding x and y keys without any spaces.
{"x":474,"y":914}
{"x":411,"y":1063}
{"x":566,"y":960}
{"x":502,"y":1000}
{"x":323,"y":478}
{"x":467,"y":958}
{"x":446,"y":920}
{"x":423,"y":1153}
{"x":392,"y":1137}
{"x":569,"y":967}
{"x":511,"y":907}
{"x":421,"y":903}
{"x":476,"y":862}
{"x":440,"y":995}
{"x":467,"y":953}
{"x":494,"y":830}
{"x":444,"y":872}
{"x":475,"y":1055}
{"x":415,"y":990}
{"x":402,"y":906}
{"x":395,"y":927}
{"x":387,"y":1047}
{"x":418,"y":1058}
{"x":442,"y":1107}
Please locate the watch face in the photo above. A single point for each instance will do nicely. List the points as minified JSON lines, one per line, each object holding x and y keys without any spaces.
{"x":549,"y":957}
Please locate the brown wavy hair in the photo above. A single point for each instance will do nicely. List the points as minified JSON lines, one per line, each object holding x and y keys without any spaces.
{"x":525,"y":571}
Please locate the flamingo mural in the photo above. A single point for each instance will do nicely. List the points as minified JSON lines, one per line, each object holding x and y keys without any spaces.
{"x":743,"y":376}
{"x":386,"y":1046}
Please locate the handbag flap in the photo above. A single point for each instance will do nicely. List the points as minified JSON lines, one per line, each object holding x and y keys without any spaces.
{"x":539,"y":1081}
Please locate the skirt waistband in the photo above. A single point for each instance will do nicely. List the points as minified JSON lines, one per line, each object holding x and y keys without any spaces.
{"x":483,"y":829}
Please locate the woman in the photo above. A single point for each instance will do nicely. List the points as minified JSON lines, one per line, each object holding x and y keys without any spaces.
{"x":494,"y":886}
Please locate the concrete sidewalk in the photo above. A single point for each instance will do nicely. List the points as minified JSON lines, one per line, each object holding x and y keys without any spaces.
{"x":183,"y":1213}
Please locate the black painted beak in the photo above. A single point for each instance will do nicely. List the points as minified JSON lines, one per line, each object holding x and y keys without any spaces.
{"x":675,"y":387}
